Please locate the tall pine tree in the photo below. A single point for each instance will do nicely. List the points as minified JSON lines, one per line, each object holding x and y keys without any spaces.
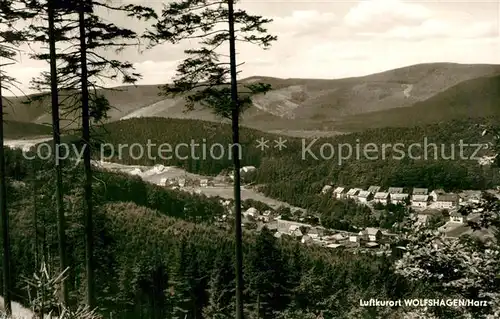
{"x":203,"y":78}
{"x":10,"y":39}
{"x":82,"y":29}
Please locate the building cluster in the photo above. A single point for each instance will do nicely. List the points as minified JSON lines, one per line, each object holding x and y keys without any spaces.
{"x":425,"y":204}
{"x":309,"y":234}
{"x":416,"y":197}
{"x":177,"y":183}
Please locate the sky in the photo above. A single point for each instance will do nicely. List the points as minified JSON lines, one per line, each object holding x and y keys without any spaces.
{"x":332,"y":39}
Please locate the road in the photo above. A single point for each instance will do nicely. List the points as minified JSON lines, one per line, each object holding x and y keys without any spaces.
{"x":154,"y":175}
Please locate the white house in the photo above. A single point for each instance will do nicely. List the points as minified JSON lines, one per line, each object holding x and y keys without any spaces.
{"x":338,"y":237}
{"x":295,"y":231}
{"x":364,"y":196}
{"x":399,"y":198}
{"x":422,"y":219}
{"x":182,"y":182}
{"x":353,"y":192}
{"x":420,"y":191}
{"x":251,"y":212}
{"x":353,"y":238}
{"x":435,"y":193}
{"x":420,"y":201}
{"x":339,"y":193}
{"x":381,"y":197}
{"x":326,"y":189}
{"x":203,"y":182}
{"x":447,"y":201}
{"x":374,"y":189}
{"x":247,"y":169}
{"x":316,"y":232}
{"x":469,"y":197}
{"x":395,"y":190}
{"x":306,"y":239}
{"x":456,"y":217}
{"x":372,"y":234}
{"x":285,"y":226}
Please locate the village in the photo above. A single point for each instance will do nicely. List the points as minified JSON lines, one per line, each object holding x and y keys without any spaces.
{"x":421,"y":204}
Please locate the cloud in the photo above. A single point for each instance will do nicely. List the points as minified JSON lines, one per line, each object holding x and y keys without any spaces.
{"x":303,"y":22}
{"x":434,"y":28}
{"x":399,"y":20}
{"x":156,"y":72}
{"x":382,"y":15}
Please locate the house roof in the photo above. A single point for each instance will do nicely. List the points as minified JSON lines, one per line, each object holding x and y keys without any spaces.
{"x":381,"y":195}
{"x":371,"y":230}
{"x":247,"y":168}
{"x":373,"y":189}
{"x":339,"y":190}
{"x":252,"y":210}
{"x":315,"y":230}
{"x":422,"y":218}
{"x":439,"y":191}
{"x":470,"y":194}
{"x":420,"y":198}
{"x":395,"y":190}
{"x":298,"y":232}
{"x":338,"y":236}
{"x":399,"y":196}
{"x":272,"y":226}
{"x":353,"y":191}
{"x":447,"y":198}
{"x":333,"y":245}
{"x":456,"y":214}
{"x":420,"y":191}
{"x":364,"y":194}
{"x":494,"y":193}
{"x":326,"y":188}
{"x":430,"y":211}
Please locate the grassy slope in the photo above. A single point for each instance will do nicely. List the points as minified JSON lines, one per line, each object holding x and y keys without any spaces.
{"x":127,"y":98}
{"x":16,"y":130}
{"x":474,"y":98}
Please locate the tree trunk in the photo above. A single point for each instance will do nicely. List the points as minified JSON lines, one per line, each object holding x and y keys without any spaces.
{"x":5,"y":218}
{"x":236,"y":161}
{"x":257,"y":315}
{"x":89,"y":245}
{"x":35,"y":213}
{"x":56,"y":135}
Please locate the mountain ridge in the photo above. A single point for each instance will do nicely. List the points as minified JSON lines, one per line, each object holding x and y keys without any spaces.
{"x":293,"y":104}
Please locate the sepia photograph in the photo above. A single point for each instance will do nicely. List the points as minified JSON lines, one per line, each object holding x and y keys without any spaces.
{"x":250,"y":159}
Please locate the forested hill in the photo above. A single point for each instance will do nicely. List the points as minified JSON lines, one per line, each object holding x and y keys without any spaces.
{"x":153,"y":261}
{"x":402,"y":97}
{"x":285,"y":174}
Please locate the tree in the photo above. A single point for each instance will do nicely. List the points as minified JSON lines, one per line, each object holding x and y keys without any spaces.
{"x":203,"y":76}
{"x":87,"y":34}
{"x":462,"y":268}
{"x":9,"y":39}
{"x":220,"y":289}
{"x":89,"y":242}
{"x":56,"y":136}
{"x":264,"y":284}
